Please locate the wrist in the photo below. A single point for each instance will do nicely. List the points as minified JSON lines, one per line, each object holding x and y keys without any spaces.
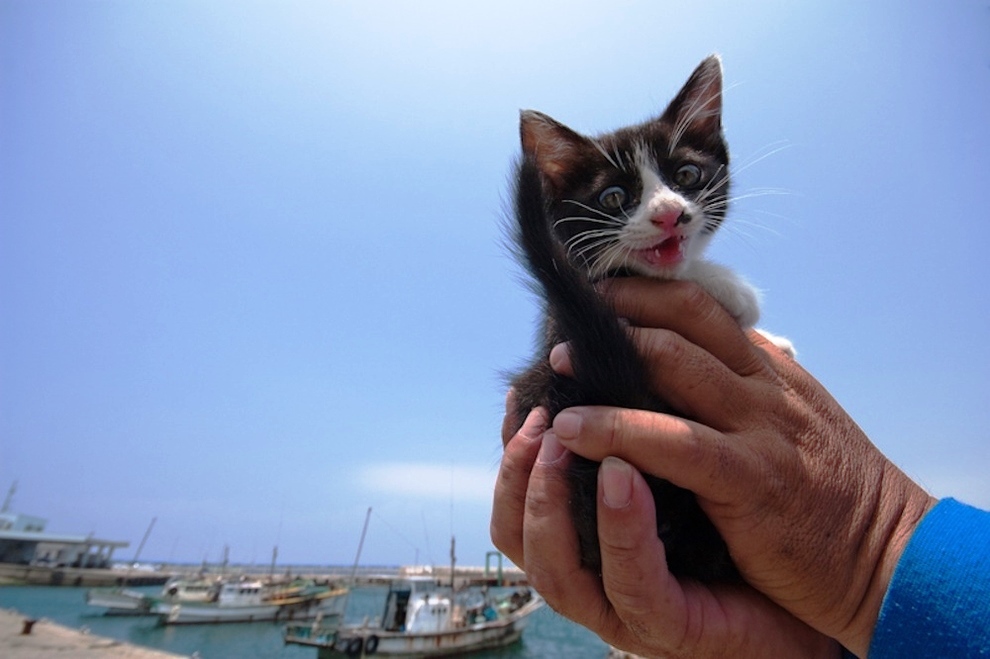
{"x":899,"y":509}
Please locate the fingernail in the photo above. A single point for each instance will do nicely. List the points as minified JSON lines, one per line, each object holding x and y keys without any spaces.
{"x":535,"y":423}
{"x":567,"y":424}
{"x":551,"y":450}
{"x":616,"y":477}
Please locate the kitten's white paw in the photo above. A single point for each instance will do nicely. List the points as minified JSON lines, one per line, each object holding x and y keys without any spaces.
{"x":733,"y":292}
{"x":782,"y":342}
{"x":742,"y":301}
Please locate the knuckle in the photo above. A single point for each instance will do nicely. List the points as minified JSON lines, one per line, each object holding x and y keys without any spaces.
{"x":614,"y":431}
{"x":543,"y":497}
{"x":500,"y":538}
{"x":659,"y":344}
{"x":693,"y":298}
{"x":543,"y":581}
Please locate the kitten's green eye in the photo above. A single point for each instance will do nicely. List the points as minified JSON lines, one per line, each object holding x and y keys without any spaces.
{"x":687,"y":176}
{"x":613,"y":198}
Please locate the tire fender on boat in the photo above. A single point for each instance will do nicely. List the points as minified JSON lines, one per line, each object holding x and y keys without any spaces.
{"x":371,"y":646}
{"x":354,"y":647}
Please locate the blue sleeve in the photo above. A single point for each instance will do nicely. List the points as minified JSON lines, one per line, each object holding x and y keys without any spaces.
{"x":938,"y":601}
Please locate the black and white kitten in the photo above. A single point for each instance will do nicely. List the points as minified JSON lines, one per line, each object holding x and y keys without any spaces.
{"x":643,"y":200}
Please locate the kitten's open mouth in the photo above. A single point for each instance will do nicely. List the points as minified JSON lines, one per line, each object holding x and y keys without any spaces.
{"x":665,"y":253}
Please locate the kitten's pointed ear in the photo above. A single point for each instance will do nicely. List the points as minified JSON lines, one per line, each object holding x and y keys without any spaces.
{"x":698,"y":106}
{"x":550,"y":144}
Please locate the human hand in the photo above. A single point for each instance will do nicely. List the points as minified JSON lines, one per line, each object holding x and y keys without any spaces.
{"x":814,"y":515}
{"x":636,"y":604}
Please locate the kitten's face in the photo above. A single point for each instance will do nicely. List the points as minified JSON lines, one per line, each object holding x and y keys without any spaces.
{"x":645,"y":199}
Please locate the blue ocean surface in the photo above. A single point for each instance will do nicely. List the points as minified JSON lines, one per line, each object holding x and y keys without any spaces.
{"x":548,"y":636}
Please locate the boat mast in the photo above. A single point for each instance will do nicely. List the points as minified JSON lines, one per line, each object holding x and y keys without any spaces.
{"x":9,"y":499}
{"x":137,"y":554}
{"x":357,"y":559}
{"x":140,"y":548}
{"x":453,"y":560}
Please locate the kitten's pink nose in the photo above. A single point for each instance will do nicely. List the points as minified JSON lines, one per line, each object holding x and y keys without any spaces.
{"x":668,"y":219}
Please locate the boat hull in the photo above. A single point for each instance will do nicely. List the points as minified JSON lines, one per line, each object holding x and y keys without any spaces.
{"x":427,"y":645}
{"x":300,"y":609}
{"x":120,"y":602}
{"x":351,"y":641}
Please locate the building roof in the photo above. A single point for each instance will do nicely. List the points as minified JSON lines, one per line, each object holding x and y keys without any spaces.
{"x":31,"y":536}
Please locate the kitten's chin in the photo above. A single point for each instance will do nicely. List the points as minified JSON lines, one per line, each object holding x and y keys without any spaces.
{"x":657,"y":272}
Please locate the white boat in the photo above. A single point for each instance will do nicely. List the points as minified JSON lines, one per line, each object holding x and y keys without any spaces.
{"x":423,"y":620}
{"x":255,"y":601}
{"x":178,"y":590}
{"x":119,"y":601}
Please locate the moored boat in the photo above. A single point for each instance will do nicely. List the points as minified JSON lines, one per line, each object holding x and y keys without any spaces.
{"x":421,"y":619}
{"x":178,"y":590}
{"x":257,"y":601}
{"x":119,"y":601}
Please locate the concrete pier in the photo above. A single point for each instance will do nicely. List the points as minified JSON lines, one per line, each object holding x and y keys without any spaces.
{"x":38,"y":575}
{"x":47,"y":639}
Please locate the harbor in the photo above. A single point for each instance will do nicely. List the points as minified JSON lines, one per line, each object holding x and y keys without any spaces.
{"x":548,"y":636}
{"x":64,"y":594}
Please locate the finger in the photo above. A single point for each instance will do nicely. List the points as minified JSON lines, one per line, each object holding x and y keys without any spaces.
{"x":550,"y":542}
{"x":685,"y":308}
{"x":688,"y":378}
{"x":634,"y":569}
{"x":511,"y":422}
{"x":694,"y":382}
{"x":509,"y":504}
{"x":560,"y":360}
{"x":715,"y":467}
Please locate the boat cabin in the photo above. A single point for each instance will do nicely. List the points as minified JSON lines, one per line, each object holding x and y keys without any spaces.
{"x":416,"y":604}
{"x":242,"y":593}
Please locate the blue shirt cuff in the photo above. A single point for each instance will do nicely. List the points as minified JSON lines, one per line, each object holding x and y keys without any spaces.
{"x":938,"y":601}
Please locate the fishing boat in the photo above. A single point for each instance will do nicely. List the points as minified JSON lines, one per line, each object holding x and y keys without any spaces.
{"x":422,"y":619}
{"x":255,"y":600}
{"x":177,"y":590}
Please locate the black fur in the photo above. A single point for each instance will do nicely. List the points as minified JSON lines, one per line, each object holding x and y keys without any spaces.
{"x":608,"y":369}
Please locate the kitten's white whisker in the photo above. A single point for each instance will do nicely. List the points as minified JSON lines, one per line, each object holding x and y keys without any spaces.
{"x":618,"y":157}
{"x":758,"y":157}
{"x":589,"y":240}
{"x":591,"y":209}
{"x":695,"y":111}
{"x":612,"y":222}
{"x":594,"y":253}
{"x":604,"y":153}
{"x":713,"y":186}
{"x":767,"y":192}
{"x":608,"y":260}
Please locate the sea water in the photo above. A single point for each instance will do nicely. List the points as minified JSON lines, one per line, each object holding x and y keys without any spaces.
{"x":548,"y":636}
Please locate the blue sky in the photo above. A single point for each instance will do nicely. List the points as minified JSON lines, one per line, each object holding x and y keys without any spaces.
{"x":251,"y":272}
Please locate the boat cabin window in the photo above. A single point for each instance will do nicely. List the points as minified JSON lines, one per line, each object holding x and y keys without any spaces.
{"x":396,"y":608}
